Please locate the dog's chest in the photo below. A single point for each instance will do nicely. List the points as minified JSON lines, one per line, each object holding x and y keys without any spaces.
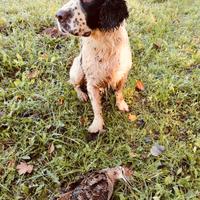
{"x":100,"y":63}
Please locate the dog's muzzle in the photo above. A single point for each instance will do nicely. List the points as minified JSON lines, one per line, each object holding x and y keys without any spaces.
{"x":64,"y":18}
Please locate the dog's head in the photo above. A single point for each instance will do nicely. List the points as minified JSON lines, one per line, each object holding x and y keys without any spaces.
{"x":81,"y":17}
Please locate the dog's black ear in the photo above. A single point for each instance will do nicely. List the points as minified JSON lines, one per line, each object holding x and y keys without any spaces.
{"x":112,"y":14}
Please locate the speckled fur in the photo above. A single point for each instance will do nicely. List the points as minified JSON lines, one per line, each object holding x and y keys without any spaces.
{"x":104,"y":61}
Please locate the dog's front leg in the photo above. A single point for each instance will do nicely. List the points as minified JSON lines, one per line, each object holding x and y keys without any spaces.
{"x":121,"y":104}
{"x":95,"y":97}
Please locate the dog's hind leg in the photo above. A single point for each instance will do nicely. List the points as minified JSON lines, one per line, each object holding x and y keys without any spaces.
{"x":121,"y":104}
{"x":77,"y":78}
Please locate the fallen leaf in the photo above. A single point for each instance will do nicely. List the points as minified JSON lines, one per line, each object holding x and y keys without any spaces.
{"x":144,"y":156}
{"x":51,"y":148}
{"x":128,"y":171}
{"x":83,"y":120}
{"x":11,"y":163}
{"x":157,"y":46}
{"x":132,"y":118}
{"x":52,"y":32}
{"x":139,"y":85}
{"x":33,"y":74}
{"x":24,"y":168}
{"x":61,"y":101}
{"x":157,"y":149}
{"x":19,"y":97}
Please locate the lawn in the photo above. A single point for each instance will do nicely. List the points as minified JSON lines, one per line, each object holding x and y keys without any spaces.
{"x":43,"y":124}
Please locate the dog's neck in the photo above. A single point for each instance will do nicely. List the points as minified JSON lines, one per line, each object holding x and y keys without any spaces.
{"x":113,"y":38}
{"x":96,"y":34}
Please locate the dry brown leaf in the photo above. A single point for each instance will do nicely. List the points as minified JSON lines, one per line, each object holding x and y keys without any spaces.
{"x":24,"y":168}
{"x":61,"y":101}
{"x":52,"y":32}
{"x":157,"y":46}
{"x":128,"y":171}
{"x":139,"y":85}
{"x":83,"y":120}
{"x":19,"y":97}
{"x":33,"y":74}
{"x":51,"y":148}
{"x":11,"y":163}
{"x":132,"y":117}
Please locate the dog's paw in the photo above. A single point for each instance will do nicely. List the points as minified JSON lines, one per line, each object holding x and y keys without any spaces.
{"x":96,"y":126}
{"x":82,"y":96}
{"x":122,"y":106}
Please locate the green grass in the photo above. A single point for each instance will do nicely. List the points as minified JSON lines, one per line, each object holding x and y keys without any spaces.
{"x":165,"y":41}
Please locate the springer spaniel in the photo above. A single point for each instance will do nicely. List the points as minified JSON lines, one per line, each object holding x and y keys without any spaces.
{"x":105,"y":56}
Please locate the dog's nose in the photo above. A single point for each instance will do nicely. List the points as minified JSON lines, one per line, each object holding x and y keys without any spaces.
{"x":63,"y":15}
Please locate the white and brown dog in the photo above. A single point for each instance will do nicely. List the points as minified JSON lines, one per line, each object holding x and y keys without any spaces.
{"x":105,"y":57}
